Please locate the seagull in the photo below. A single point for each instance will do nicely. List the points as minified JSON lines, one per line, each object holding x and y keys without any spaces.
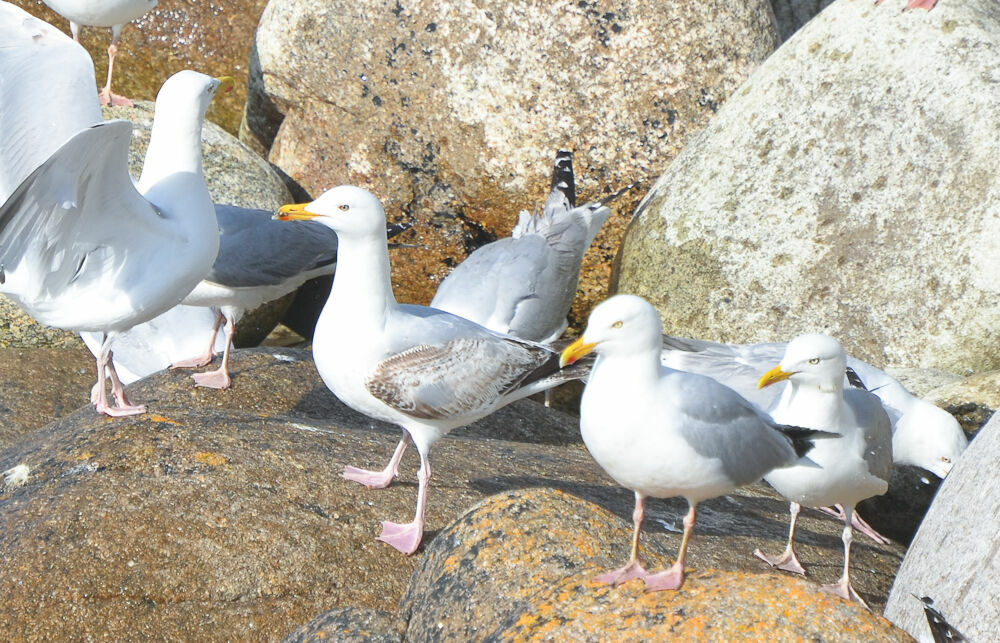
{"x":523,"y":285}
{"x":923,"y":434}
{"x":82,"y":247}
{"x":424,"y":369}
{"x":844,"y":471}
{"x":259,"y":260}
{"x":103,"y":13}
{"x":664,"y":433}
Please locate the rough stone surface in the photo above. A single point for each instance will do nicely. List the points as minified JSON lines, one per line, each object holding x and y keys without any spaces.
{"x":525,"y":560}
{"x":922,"y":381}
{"x":955,"y":557}
{"x":211,"y":37}
{"x":973,"y":400}
{"x":898,"y":512}
{"x":820,"y":196}
{"x":219,"y":515}
{"x":451,"y":112}
{"x":38,"y":385}
{"x":19,"y":330}
{"x":347,"y":624}
{"x":790,"y":15}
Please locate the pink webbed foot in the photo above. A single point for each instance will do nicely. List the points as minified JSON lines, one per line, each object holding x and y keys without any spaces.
{"x":787,"y":561}
{"x":404,"y":538}
{"x":194,"y":362}
{"x":843,"y":589}
{"x":671,"y":579}
{"x":371,"y":479}
{"x":921,"y":4}
{"x":622,"y":575}
{"x":108,"y":98}
{"x":857,"y":522}
{"x":119,"y":411}
{"x":218,"y":379}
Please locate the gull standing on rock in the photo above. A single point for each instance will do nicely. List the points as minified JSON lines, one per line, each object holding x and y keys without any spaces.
{"x":82,"y":247}
{"x":844,"y":471}
{"x":523,"y":285}
{"x":667,"y":433}
{"x":426,"y":370}
{"x":103,"y":13}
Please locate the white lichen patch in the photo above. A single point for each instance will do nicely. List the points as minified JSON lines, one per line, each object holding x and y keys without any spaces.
{"x":16,"y":476}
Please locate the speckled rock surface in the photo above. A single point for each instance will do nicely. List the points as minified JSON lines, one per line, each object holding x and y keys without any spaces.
{"x":790,"y":15}
{"x":955,"y":558}
{"x":820,"y":196}
{"x":922,"y":381}
{"x":972,"y":400}
{"x":524,"y":560}
{"x":349,"y":625}
{"x":453,"y":111}
{"x":38,"y":385}
{"x":211,"y":37}
{"x":19,"y":330}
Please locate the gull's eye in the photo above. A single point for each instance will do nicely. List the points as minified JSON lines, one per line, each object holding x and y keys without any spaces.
{"x":814,"y":360}
{"x":344,"y":207}
{"x":617,"y":324}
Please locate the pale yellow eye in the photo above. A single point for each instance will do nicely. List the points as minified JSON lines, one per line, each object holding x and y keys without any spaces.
{"x":617,"y":324}
{"x":814,"y":360}
{"x":344,"y":207}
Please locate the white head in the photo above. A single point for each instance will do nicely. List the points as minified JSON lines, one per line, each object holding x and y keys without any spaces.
{"x":348,"y":210}
{"x":622,"y":325}
{"x":814,"y":361}
{"x":184,"y":98}
{"x":929,"y":437}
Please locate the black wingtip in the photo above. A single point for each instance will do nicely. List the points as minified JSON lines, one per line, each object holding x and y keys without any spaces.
{"x":803,"y":439}
{"x":394,"y":229}
{"x":855,"y":380}
{"x":563,"y":180}
{"x":941,"y":630}
{"x":614,"y":195}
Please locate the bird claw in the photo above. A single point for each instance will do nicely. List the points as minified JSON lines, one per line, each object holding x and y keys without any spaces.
{"x":217,"y":379}
{"x":120,"y":411}
{"x":370,"y":479}
{"x":844,"y":590}
{"x":788,"y":561}
{"x":622,"y":575}
{"x":405,"y":538}
{"x":671,"y":579}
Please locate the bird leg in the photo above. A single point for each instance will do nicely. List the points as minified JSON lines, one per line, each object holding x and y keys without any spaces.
{"x":632,"y":569}
{"x":379,"y":479}
{"x":406,"y":537}
{"x":99,"y":394}
{"x":206,"y":358}
{"x":857,"y":522}
{"x":673,"y":578}
{"x":843,"y":588}
{"x":787,"y":561}
{"x":219,"y":378}
{"x":105,"y":96}
{"x":915,"y":4}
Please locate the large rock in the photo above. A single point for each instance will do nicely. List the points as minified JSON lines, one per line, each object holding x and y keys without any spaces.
{"x":451,"y":112}
{"x":954,"y":558}
{"x":519,"y":567}
{"x":972,"y":400}
{"x":219,"y":515}
{"x":210,"y":37}
{"x":849,"y":186}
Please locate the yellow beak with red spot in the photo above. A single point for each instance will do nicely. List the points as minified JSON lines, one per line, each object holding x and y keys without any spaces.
{"x":226,"y":84}
{"x":773,"y":376}
{"x":294,"y":212}
{"x":575,"y":351}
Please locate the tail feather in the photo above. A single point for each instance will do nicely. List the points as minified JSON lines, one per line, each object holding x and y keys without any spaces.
{"x":801,"y":439}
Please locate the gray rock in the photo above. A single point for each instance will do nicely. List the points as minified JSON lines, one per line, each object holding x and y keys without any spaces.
{"x":898,"y":512}
{"x":972,"y":400}
{"x":848,"y":187}
{"x":790,"y":15}
{"x":347,"y":624}
{"x":921,"y":381}
{"x":954,"y":558}
{"x":450,"y":112}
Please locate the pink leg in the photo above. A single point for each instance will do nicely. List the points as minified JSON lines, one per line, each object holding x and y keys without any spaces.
{"x":379,"y":479}
{"x":219,"y":378}
{"x":99,"y":391}
{"x":406,"y":537}
{"x":632,"y":569}
{"x":673,"y":578}
{"x":843,"y":588}
{"x":921,"y":4}
{"x":787,"y":561}
{"x":858,"y":523}
{"x":206,"y":358}
{"x":105,"y":96}
{"x":125,"y":407}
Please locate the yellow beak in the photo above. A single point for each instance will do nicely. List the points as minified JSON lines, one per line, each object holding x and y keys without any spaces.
{"x":773,"y":376}
{"x":226,"y":84}
{"x":575,"y":351}
{"x":294,"y":212}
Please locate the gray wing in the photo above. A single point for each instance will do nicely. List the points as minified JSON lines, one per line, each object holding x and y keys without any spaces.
{"x":61,"y":229}
{"x":441,"y":365}
{"x":255,"y":250}
{"x":47,"y":94}
{"x":877,"y":428}
{"x":719,"y":423}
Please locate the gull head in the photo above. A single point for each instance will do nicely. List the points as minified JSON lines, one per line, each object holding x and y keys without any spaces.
{"x":812,"y":360}
{"x":928,"y":437}
{"x":347,"y":209}
{"x":186,"y":95}
{"x":621,"y":325}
